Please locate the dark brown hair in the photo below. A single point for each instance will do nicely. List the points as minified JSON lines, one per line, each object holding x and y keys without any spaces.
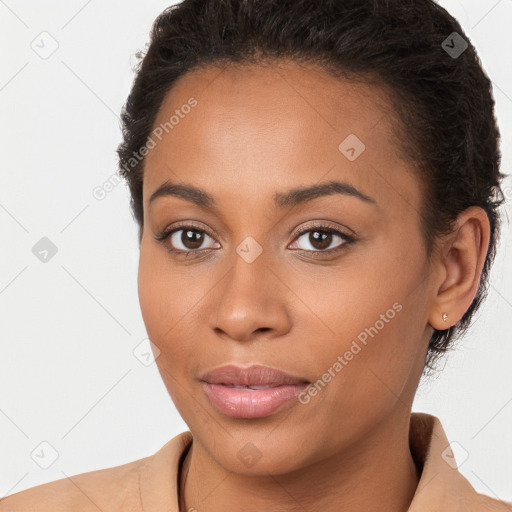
{"x":441,"y":96}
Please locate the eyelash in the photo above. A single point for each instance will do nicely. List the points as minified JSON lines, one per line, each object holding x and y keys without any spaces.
{"x":166,"y":234}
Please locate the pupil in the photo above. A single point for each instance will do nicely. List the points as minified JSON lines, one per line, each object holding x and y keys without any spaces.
{"x":318,"y":239}
{"x":192,"y":237}
{"x":320,"y":242}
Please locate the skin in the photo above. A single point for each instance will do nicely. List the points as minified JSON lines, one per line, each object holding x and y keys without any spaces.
{"x":256,"y":131}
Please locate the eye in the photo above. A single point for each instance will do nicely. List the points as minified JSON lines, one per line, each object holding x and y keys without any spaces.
{"x":323,"y":239}
{"x":186,"y":239}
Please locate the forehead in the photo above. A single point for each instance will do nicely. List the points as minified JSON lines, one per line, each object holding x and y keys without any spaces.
{"x":258,"y":128}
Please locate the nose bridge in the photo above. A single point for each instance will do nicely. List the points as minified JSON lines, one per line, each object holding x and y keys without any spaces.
{"x":249,"y":298}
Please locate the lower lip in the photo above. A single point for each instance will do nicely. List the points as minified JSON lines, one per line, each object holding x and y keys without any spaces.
{"x":251,"y":403}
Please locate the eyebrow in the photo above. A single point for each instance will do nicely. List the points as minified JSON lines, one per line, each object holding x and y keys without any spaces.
{"x":290,"y":198}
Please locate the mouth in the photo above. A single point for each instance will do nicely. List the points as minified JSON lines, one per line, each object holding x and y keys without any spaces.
{"x":253,"y":392}
{"x":235,"y":386}
{"x":255,"y":376}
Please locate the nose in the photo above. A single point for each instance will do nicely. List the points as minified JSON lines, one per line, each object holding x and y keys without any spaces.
{"x":250,"y":302}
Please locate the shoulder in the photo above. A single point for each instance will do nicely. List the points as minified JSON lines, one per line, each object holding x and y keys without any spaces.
{"x":486,"y":503}
{"x":144,"y":484}
{"x":442,"y":486}
{"x":112,"y":489}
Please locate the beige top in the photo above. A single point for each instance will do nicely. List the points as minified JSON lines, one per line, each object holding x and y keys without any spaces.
{"x":150,"y":484}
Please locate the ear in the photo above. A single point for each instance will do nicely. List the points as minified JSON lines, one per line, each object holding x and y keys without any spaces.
{"x":462,"y":255}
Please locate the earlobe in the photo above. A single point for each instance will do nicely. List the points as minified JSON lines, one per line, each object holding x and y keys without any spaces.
{"x":463,"y":256}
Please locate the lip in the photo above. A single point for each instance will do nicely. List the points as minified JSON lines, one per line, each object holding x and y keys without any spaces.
{"x":254,"y":375}
{"x":243,"y":402}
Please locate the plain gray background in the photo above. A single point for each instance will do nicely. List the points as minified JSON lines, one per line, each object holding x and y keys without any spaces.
{"x":72,"y":370}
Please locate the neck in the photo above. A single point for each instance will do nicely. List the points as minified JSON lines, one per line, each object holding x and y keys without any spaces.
{"x":378,"y":473}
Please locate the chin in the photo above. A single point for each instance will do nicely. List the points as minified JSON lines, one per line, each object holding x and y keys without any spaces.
{"x":253,"y":449}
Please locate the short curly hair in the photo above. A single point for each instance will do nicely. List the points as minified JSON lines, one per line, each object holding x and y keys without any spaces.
{"x":441,"y":97}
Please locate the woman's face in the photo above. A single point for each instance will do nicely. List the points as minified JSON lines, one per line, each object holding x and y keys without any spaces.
{"x":255,"y":291}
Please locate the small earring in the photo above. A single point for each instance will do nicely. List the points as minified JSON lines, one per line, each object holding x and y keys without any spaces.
{"x":445,"y":317}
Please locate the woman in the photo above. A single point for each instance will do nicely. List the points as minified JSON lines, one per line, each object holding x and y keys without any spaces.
{"x":317,"y":188}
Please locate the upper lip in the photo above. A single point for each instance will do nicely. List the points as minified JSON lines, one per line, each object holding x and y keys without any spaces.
{"x":255,"y":375}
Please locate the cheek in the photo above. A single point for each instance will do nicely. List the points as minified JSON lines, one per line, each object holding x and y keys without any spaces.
{"x":170,"y":305}
{"x":151,"y":299}
{"x":366,"y":368}
{"x":375,"y":315}
{"x":159,"y":296}
{"x":162,"y":308}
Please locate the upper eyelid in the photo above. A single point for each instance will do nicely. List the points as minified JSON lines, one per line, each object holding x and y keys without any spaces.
{"x":320,"y":225}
